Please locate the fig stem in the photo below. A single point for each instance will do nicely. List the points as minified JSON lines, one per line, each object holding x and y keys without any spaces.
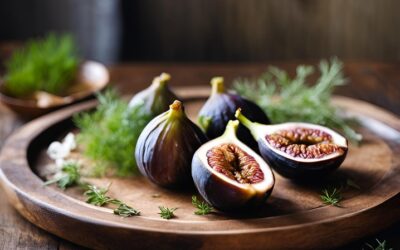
{"x":217,"y":85}
{"x":231,"y":128}
{"x":162,"y":79}
{"x":176,"y":108}
{"x":247,"y":123}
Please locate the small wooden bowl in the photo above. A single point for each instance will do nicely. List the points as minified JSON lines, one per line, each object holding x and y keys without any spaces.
{"x":92,"y":77}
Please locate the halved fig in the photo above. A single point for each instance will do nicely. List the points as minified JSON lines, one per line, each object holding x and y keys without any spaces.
{"x":229,"y":175}
{"x":298,"y":150}
{"x":166,"y":146}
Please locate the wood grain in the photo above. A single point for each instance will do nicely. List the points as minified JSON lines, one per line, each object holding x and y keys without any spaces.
{"x":291,"y":211}
{"x":382,"y":89}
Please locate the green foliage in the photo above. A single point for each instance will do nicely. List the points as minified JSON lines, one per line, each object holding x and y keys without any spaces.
{"x":332,"y":197}
{"x":98,"y":197}
{"x":49,"y":64}
{"x":125,"y":210}
{"x":70,"y":176}
{"x":381,"y":245}
{"x":167,"y":213}
{"x":294,"y":99}
{"x":109,"y":134}
{"x":202,"y":207}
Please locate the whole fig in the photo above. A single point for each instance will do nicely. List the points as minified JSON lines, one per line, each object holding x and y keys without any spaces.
{"x":156,"y":98}
{"x":229,"y":175}
{"x":166,"y":146}
{"x":220,"y":108}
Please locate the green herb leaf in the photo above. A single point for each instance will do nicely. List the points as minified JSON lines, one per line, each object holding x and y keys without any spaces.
{"x":287,"y":99}
{"x":167,"y":213}
{"x":126,"y":211}
{"x":380,"y":246}
{"x":49,"y":64}
{"x":70,"y":176}
{"x":97,"y":196}
{"x":332,"y":197}
{"x":109,"y":134}
{"x":202,"y":207}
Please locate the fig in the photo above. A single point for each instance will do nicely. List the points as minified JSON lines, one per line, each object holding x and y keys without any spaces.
{"x":298,"y":150}
{"x":165,"y":148}
{"x":220,"y":108}
{"x":230,"y":175}
{"x":156,"y":98}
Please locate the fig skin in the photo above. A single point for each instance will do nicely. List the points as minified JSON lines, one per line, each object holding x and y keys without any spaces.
{"x":224,"y":195}
{"x":221,"y":107}
{"x":292,"y":168}
{"x":156,"y":98}
{"x":166,"y":146}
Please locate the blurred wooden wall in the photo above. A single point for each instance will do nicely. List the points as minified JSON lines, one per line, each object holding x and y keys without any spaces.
{"x":255,"y":30}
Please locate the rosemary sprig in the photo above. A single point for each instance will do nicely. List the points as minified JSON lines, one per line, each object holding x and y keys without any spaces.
{"x":380,"y":246}
{"x":167,"y":213}
{"x":332,"y":197}
{"x":125,"y":210}
{"x":98,"y":196}
{"x":293,"y":99}
{"x":202,"y":207}
{"x":69,"y":176}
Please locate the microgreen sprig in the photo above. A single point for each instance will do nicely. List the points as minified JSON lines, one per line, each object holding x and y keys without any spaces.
{"x":167,"y":213}
{"x":125,"y":210}
{"x":69,"y":176}
{"x":98,"y":196}
{"x":381,"y":245}
{"x":332,"y":197}
{"x":202,"y":207}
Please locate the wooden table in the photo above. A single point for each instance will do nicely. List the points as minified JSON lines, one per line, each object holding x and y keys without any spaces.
{"x":377,"y":83}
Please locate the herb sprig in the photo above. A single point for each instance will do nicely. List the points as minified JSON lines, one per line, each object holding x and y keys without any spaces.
{"x":293,"y":99}
{"x":202,"y":207}
{"x":47,"y":64}
{"x":167,"y":213}
{"x":109,"y":134}
{"x":331,"y":197}
{"x":69,"y":176}
{"x":98,"y":197}
{"x":381,"y":245}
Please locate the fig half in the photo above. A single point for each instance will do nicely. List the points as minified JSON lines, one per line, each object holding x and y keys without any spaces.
{"x":166,"y":146}
{"x":298,"y":150}
{"x":157,"y":97}
{"x":229,"y":175}
{"x":220,"y":108}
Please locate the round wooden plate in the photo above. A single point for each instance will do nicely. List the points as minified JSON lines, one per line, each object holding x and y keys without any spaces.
{"x":294,"y":216}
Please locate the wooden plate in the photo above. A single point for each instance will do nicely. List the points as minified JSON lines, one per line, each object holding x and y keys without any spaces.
{"x":294,"y":216}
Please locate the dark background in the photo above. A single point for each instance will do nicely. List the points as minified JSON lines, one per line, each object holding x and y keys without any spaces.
{"x":213,"y":30}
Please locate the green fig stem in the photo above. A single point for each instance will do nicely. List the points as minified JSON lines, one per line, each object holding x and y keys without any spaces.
{"x":217,"y":85}
{"x":161,"y":80}
{"x":176,"y":108}
{"x":231,"y":127}
{"x":252,"y":126}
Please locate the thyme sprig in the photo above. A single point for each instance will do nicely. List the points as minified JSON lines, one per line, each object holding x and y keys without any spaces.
{"x":69,"y":176}
{"x":167,"y":213}
{"x":381,"y":245}
{"x":98,"y":197}
{"x":331,"y":197}
{"x":202,"y":207}
{"x":294,"y":99}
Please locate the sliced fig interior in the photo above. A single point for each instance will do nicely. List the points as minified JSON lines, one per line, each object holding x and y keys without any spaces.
{"x":306,"y":143}
{"x":233,"y":162}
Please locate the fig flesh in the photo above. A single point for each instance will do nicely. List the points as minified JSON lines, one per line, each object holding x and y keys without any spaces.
{"x":157,"y":97}
{"x":220,"y":108}
{"x":229,"y":175}
{"x":298,"y":150}
{"x":166,"y":146}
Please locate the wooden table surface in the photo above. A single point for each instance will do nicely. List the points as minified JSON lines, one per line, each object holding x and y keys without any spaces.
{"x":378,"y":83}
